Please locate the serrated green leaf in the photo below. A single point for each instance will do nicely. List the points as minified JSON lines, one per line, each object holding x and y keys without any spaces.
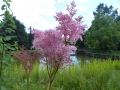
{"x":12,"y":20}
{"x":11,"y":48}
{"x":3,"y":7}
{"x":8,"y":46}
{"x":7,"y":14}
{"x":12,"y":25}
{"x":8,"y":4}
{"x":9,"y":29}
{"x":1,"y":40}
{"x":7,"y":38}
{"x":4,"y":0}
{"x":2,"y":24}
{"x":9,"y":1}
{"x":1,"y":47}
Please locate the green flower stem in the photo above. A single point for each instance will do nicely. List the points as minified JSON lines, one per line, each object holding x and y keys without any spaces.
{"x":27,"y":77}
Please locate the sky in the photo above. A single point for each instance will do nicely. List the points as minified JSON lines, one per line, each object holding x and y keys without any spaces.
{"x":39,"y":13}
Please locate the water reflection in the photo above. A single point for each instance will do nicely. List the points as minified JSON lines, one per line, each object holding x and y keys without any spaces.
{"x":81,"y":59}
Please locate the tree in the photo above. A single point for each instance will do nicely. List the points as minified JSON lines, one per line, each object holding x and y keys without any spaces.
{"x":103,"y":33}
{"x":19,"y":32}
{"x":118,"y":28}
{"x":102,"y":10}
{"x":118,"y":19}
{"x":30,"y":38}
{"x":79,"y":43}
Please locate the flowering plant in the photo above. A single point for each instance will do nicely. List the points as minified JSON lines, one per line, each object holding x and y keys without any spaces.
{"x":27,"y":59}
{"x":55,"y":44}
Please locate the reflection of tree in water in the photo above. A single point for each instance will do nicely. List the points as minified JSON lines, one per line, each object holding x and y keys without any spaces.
{"x":82,"y":59}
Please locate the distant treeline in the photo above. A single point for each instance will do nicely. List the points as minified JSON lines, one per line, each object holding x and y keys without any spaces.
{"x":22,"y":37}
{"x":104,"y":32}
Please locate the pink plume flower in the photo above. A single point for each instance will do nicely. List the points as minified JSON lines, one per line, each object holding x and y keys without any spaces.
{"x":54,"y":44}
{"x":71,"y":29}
{"x":25,"y":57}
{"x":53,"y":48}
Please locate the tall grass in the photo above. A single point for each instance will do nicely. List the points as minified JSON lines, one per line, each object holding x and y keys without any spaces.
{"x":97,"y":75}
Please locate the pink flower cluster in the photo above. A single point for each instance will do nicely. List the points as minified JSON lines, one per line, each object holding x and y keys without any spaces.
{"x":71,"y":9}
{"x":54,"y":44}
{"x":25,"y":58}
{"x":52,"y":47}
{"x":71,"y":29}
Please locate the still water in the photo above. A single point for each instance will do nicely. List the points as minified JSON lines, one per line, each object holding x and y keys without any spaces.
{"x":81,"y":59}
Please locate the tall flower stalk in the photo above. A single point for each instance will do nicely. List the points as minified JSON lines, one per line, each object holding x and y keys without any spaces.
{"x":55,"y":44}
{"x":27,"y":59}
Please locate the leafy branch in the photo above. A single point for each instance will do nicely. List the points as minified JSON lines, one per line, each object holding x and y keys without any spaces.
{"x":6,"y":28}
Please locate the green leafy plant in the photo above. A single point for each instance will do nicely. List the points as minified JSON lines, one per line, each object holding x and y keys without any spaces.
{"x":5,"y":28}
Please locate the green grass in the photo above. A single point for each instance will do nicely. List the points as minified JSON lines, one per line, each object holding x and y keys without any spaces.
{"x":97,"y":75}
{"x":94,"y":76}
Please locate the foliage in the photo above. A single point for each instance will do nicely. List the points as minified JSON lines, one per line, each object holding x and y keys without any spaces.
{"x":103,"y":10}
{"x":18,"y":32}
{"x":104,"y":39}
{"x":96,"y":75}
{"x":79,"y":43}
{"x":117,"y":19}
{"x":30,"y":38}
{"x":104,"y":33}
{"x":54,"y":44}
{"x":6,"y":58}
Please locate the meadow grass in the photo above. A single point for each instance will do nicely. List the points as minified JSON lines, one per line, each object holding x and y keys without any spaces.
{"x":97,"y":75}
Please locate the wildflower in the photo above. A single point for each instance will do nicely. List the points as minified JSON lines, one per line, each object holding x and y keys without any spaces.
{"x":55,"y":44}
{"x":27,"y":60}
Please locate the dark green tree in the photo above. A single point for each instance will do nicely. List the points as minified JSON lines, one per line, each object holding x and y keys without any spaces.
{"x":117,"y":19}
{"x":30,"y":37}
{"x":118,"y":27}
{"x":80,"y":44}
{"x":19,"y":32}
{"x":103,"y":33}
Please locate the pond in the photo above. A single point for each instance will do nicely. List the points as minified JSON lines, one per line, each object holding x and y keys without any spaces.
{"x":81,"y":59}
